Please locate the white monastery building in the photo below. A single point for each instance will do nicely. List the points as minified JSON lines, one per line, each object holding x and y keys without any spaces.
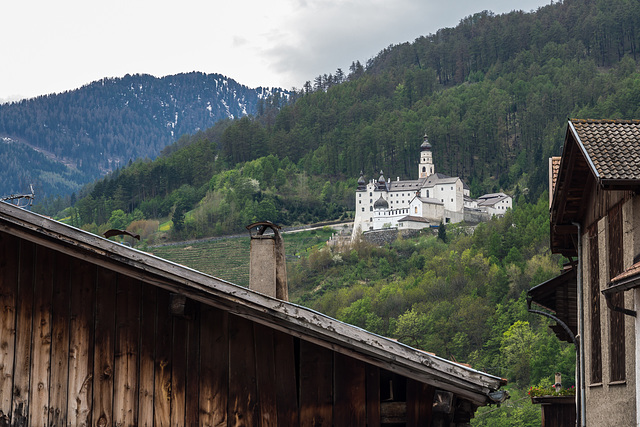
{"x":428,"y":200}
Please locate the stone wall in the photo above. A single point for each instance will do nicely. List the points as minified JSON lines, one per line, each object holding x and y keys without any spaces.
{"x":388,"y":236}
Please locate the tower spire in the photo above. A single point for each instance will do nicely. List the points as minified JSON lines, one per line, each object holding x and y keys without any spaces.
{"x":425,"y":168}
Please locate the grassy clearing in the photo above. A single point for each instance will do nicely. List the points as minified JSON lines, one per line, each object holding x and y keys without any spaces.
{"x":228,"y":259}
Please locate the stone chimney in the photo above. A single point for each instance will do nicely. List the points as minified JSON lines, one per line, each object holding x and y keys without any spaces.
{"x":267,"y":266}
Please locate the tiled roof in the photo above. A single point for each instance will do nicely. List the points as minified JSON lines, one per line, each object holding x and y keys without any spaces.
{"x":613,"y":147}
{"x":491,"y":199}
{"x":429,"y":200}
{"x":405,"y":185}
{"x":555,"y":167}
{"x":632,"y":272}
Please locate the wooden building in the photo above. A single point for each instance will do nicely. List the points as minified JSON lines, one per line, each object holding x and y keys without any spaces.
{"x":595,"y":222}
{"x":94,"y":333}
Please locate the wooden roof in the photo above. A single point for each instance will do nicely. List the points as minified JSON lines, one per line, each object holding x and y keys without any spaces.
{"x":597,"y":154}
{"x":290,"y":318}
{"x":559,"y":296}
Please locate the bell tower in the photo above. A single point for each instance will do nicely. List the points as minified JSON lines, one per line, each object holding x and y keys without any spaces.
{"x":425,"y":168}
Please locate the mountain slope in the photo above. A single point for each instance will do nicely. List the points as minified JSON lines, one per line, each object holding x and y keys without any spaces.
{"x":493,"y":94}
{"x":101,"y":126}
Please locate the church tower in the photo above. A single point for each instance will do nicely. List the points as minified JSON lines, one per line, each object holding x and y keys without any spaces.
{"x":425,"y":168}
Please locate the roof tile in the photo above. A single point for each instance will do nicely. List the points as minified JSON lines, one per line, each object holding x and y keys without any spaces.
{"x":612,"y":145}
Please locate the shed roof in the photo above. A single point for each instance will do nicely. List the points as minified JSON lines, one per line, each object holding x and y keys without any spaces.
{"x":287,"y":317}
{"x":559,"y":295}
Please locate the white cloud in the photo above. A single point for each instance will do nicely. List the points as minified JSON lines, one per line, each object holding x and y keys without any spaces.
{"x":57,"y":46}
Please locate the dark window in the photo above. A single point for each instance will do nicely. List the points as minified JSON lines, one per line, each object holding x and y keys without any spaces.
{"x":616,"y":323}
{"x":594,"y":280}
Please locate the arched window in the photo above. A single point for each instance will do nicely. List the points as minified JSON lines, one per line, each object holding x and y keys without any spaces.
{"x":424,"y":169}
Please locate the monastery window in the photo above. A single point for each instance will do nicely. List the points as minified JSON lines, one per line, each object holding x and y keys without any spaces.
{"x":452,"y":188}
{"x":427,"y":193}
{"x":359,"y":202}
{"x":594,"y":289}
{"x":452,"y":200}
{"x":370,"y":208}
{"x":416,"y":209}
{"x":370,"y":200}
{"x":370,"y":194}
{"x":362,"y":209}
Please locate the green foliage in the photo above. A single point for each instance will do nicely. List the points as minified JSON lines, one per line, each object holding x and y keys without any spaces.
{"x":515,"y":412}
{"x":463,"y":300}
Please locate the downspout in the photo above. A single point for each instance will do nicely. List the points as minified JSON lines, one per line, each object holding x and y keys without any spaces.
{"x":576,"y":343}
{"x":581,"y":373}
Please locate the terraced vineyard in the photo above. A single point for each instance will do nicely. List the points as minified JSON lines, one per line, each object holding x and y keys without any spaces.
{"x":228,"y":259}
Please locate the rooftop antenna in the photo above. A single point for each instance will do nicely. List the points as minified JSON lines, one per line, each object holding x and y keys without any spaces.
{"x":22,"y":201}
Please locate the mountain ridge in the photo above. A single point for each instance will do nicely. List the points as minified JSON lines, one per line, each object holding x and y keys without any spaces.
{"x":102,"y":125}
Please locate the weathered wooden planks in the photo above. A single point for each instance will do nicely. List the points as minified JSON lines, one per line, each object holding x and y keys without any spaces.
{"x":103,"y":370}
{"x":349,"y":398}
{"x":192,"y":409}
{"x":9,"y":247}
{"x":41,"y":338}
{"x":316,"y":385}
{"x":286,"y":379}
{"x":265,"y":375}
{"x":22,"y":365}
{"x":81,"y":343}
{"x":97,"y":347}
{"x":147,"y":355}
{"x":60,"y":342}
{"x":179,"y":371}
{"x":419,"y":403}
{"x":214,"y":367}
{"x":125,"y":399}
{"x":243,"y":393}
{"x":162,"y":364}
{"x":373,"y":395}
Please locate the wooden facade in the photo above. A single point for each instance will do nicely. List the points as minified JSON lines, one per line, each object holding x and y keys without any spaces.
{"x":595,"y":222}
{"x":93,"y":333}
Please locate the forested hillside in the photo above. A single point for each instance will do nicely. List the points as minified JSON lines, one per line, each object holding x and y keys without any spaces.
{"x":463,"y":298}
{"x":493,"y":95}
{"x":62,"y":141}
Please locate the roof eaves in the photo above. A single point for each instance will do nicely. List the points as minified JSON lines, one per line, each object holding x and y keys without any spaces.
{"x":583,"y":149}
{"x":300,"y":321}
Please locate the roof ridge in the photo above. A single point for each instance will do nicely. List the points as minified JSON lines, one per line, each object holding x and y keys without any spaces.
{"x":636,"y":121}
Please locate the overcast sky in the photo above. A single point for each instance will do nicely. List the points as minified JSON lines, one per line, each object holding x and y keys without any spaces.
{"x":52,"y":46}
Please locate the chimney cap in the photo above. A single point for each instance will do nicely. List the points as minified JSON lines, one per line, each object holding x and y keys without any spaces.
{"x":261,"y":226}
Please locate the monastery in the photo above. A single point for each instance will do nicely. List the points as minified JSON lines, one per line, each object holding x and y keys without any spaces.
{"x":415,"y":204}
